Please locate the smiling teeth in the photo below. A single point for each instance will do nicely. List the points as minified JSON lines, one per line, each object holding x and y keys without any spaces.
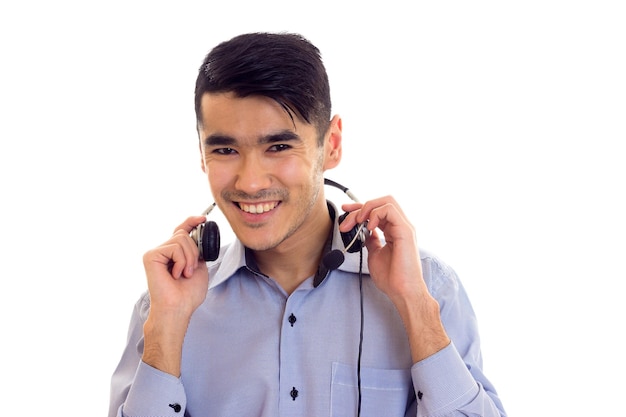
{"x":257,"y":208}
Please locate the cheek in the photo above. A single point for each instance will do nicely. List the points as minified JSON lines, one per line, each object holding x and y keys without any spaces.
{"x":218,"y":178}
{"x":295,"y":172}
{"x":302,"y":167}
{"x":291,"y":170}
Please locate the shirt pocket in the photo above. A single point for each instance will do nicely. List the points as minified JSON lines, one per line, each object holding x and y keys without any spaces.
{"x":384,"y":392}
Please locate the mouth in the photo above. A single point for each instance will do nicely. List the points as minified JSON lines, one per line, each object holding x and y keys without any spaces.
{"x":258,"y":208}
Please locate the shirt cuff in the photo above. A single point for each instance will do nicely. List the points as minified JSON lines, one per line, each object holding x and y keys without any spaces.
{"x":442,"y":382}
{"x":155,"y":393}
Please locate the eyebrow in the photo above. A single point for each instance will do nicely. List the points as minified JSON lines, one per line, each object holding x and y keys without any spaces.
{"x":218,"y":139}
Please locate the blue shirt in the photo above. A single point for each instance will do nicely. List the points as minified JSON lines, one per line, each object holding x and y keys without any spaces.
{"x":253,"y":350}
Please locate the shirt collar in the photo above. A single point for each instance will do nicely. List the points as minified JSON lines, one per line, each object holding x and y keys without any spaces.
{"x":235,"y":256}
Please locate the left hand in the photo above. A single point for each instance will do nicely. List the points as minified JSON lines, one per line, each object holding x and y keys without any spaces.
{"x":396,"y":269}
{"x":395,"y":265}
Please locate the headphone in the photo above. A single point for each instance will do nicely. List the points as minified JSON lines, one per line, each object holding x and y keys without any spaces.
{"x":207,"y":235}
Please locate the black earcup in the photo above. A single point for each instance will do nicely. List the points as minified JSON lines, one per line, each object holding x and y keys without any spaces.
{"x":210,"y":241}
{"x":348,"y":236}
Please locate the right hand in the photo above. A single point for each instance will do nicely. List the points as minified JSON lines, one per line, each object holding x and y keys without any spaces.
{"x":177,"y":282}
{"x":177,"y":279}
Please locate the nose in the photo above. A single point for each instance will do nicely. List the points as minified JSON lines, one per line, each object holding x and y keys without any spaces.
{"x":253,"y":174}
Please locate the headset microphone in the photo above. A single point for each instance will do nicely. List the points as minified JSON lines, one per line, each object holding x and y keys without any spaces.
{"x":334,"y":258}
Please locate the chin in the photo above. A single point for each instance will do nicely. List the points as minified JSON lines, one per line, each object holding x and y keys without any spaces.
{"x":260,"y":243}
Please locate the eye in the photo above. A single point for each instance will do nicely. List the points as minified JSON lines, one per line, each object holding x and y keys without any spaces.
{"x":224,"y":151}
{"x":279,"y":147}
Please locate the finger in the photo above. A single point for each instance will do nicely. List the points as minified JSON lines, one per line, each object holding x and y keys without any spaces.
{"x":185,"y":257}
{"x":349,"y":207}
{"x":362,"y":213}
{"x":380,"y":216}
{"x":376,"y":203}
{"x":189,"y":244}
{"x":167,"y":257}
{"x":190,"y":223}
{"x":190,"y":252}
{"x":180,"y":253}
{"x":178,"y":261}
{"x":349,"y":221}
{"x":373,"y":243}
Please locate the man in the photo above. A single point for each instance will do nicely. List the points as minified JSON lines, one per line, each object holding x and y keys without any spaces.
{"x":281,"y":324}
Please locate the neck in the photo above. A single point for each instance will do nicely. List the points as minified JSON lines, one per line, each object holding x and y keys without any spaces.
{"x":299,"y":256}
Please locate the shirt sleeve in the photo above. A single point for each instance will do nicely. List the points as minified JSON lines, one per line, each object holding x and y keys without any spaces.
{"x":137,"y":389}
{"x":154,"y":393}
{"x":451,"y":382}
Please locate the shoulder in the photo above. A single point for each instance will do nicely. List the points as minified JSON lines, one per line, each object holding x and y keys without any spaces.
{"x":438,"y":275}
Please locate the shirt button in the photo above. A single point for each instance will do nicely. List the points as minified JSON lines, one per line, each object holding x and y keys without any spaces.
{"x":294,"y":393}
{"x":176,"y":407}
{"x":292,"y":319}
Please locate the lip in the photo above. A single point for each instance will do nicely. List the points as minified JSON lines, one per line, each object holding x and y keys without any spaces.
{"x":256,"y":211}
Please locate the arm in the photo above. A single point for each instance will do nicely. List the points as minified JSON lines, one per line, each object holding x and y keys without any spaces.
{"x":396,"y":270}
{"x":442,"y":379}
{"x":456,"y":369}
{"x":146,"y":380}
{"x":137,"y":388}
{"x":177,"y":283}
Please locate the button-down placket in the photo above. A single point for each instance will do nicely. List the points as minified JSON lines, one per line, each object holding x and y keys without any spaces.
{"x":292,"y":381}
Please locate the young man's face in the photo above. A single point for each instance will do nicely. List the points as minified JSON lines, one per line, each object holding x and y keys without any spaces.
{"x":265,"y":169}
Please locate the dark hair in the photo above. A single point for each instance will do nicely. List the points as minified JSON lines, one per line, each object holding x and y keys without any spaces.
{"x":285,"y":67}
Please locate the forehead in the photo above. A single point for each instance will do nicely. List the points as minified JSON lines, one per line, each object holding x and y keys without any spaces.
{"x":252,"y":116}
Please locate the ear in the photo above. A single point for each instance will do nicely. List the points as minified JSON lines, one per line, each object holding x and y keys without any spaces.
{"x":332,"y":144}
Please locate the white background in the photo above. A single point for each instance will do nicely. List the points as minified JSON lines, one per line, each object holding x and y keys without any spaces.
{"x":498,"y":125}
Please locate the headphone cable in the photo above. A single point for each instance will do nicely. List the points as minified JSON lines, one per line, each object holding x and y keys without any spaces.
{"x":358,"y":366}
